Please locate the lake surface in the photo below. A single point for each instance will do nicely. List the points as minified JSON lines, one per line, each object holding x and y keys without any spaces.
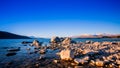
{"x":24,"y":54}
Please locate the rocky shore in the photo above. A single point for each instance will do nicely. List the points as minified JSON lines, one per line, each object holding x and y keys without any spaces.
{"x":65,"y":53}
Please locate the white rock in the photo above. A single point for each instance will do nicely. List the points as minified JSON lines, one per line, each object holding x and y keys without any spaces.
{"x":81,"y":61}
{"x":66,"y":41}
{"x":36,"y":43}
{"x":66,"y":54}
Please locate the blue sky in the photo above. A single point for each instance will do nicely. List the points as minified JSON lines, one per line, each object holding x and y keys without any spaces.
{"x":46,"y":18}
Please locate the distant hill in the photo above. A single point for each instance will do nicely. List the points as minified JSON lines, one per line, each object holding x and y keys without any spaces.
{"x":7,"y":35}
{"x":97,"y":36}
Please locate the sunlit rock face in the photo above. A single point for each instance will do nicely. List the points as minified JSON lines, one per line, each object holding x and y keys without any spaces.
{"x":66,"y":41}
{"x":66,"y":54}
{"x":36,"y":43}
{"x":55,"y":40}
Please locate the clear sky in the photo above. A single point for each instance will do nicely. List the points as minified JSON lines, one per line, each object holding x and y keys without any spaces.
{"x":46,"y":18}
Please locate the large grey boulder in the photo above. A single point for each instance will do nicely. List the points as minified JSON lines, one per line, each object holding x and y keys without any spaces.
{"x":66,"y":54}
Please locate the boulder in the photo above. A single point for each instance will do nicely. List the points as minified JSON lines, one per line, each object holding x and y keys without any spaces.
{"x":80,"y":61}
{"x":83,"y":60}
{"x":42,"y":51}
{"x":99,"y":63}
{"x":36,"y":43}
{"x":96,"y":43}
{"x":55,"y":40}
{"x":92,"y":62}
{"x":66,"y":41}
{"x":85,"y":52}
{"x":66,"y":54}
{"x":88,"y":41}
{"x":106,"y":43}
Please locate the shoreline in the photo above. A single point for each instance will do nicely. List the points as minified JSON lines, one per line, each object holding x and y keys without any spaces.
{"x":86,"y":54}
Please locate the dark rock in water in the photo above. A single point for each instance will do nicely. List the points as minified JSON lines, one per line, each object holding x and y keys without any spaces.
{"x":9,"y":63}
{"x":30,"y":52}
{"x":114,"y":43}
{"x":73,"y":42}
{"x":24,"y":45}
{"x":14,"y":49}
{"x":11,"y":54}
{"x":88,"y":42}
{"x":5,"y":47}
{"x":26,"y":42}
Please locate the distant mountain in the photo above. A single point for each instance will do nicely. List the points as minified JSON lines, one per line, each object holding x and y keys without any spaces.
{"x":97,"y":36}
{"x":7,"y":35}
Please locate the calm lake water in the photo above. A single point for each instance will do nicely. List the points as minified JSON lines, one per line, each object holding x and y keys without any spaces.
{"x":23,"y":54}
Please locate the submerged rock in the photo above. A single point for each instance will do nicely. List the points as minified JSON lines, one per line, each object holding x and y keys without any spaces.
{"x":10,"y":54}
{"x":26,"y":42}
{"x":14,"y":49}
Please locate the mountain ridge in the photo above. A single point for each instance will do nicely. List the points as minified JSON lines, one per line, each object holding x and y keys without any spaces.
{"x":98,"y":36}
{"x":8,"y":35}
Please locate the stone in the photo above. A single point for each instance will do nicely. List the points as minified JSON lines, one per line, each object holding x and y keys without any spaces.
{"x":96,"y":43}
{"x":42,"y":57}
{"x":42,"y":51}
{"x":74,"y":64}
{"x":36,"y":43}
{"x":118,"y":62}
{"x":80,"y":61}
{"x":88,"y":42}
{"x":86,"y":58}
{"x":55,"y":40}
{"x":99,"y":63}
{"x":92,"y":62}
{"x":85,"y":51}
{"x":78,"y":67}
{"x":14,"y":49}
{"x":55,"y":61}
{"x":106,"y":43}
{"x":111,"y":65}
{"x":66,"y":41}
{"x":11,"y":54}
{"x":26,"y":42}
{"x":66,"y":54}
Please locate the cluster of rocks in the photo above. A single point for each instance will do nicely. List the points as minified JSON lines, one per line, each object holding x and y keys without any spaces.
{"x":92,"y":54}
{"x":62,"y":41}
{"x":76,"y":55}
{"x":12,"y":51}
{"x":99,"y":54}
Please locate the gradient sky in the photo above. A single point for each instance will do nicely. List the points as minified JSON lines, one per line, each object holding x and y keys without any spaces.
{"x":46,"y":18}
